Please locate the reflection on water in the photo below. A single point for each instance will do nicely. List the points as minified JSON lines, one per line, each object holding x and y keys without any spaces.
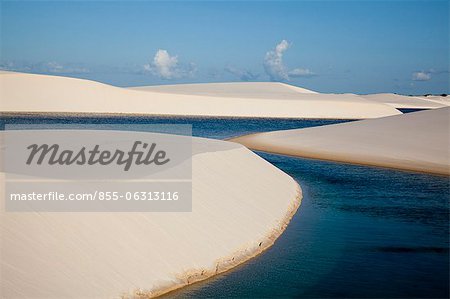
{"x":360,"y":231}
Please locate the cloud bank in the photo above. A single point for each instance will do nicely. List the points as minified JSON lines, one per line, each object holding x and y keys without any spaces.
{"x":167,"y":67}
{"x":243,"y":75}
{"x":299,"y":72}
{"x":421,"y":76}
{"x":44,"y":67}
{"x":275,"y":68}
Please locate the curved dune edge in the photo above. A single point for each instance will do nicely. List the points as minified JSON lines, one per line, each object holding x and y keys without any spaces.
{"x":226,"y":263}
{"x":241,"y":205}
{"x":414,"y":142}
{"x":396,"y":164}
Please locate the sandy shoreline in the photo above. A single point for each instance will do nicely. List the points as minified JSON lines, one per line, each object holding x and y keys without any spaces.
{"x":125,"y":115}
{"x":417,"y":142}
{"x":237,"y":258}
{"x":135,"y":255}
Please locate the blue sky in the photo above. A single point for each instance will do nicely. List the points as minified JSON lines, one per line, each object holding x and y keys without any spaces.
{"x":328,"y":46}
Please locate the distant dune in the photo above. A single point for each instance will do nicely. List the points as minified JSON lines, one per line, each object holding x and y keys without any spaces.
{"x":241,"y":204}
{"x":417,"y":141}
{"x":277,"y":90}
{"x":411,"y":102}
{"x":234,"y":89}
{"x":51,"y":94}
{"x":438,"y":99}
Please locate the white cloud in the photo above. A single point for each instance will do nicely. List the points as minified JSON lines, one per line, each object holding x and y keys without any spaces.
{"x":243,"y":75}
{"x":167,"y":67}
{"x":275,"y":68}
{"x":421,"y":76}
{"x":299,"y":72}
{"x":273,"y":62}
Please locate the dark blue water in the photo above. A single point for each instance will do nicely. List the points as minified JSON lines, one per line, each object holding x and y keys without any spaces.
{"x":361,"y":232}
{"x":219,"y":128}
{"x":410,"y":110}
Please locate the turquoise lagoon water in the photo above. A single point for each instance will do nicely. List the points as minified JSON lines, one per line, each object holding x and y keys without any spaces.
{"x":361,"y":232}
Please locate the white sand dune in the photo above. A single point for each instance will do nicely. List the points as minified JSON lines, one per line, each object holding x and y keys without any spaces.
{"x":399,"y":101}
{"x":438,"y":99}
{"x":263,"y":90}
{"x":277,"y":90}
{"x":51,"y":94}
{"x":417,"y":141}
{"x":241,"y":204}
